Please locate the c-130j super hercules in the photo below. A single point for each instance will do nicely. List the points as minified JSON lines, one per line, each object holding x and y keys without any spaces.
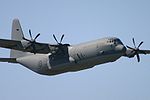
{"x":53,"y":59}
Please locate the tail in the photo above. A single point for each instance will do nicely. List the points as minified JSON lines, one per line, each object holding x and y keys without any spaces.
{"x":16,"y":34}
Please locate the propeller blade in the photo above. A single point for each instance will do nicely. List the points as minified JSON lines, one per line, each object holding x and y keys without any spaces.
{"x":140,"y":44}
{"x":138,"y":57}
{"x":134,"y":42}
{"x":26,"y":39}
{"x":28,"y":47}
{"x":36,"y":36}
{"x":61,"y":38}
{"x":55,"y":39}
{"x":31,"y":43}
{"x":32,"y":46}
{"x":30,"y":34}
{"x":130,"y":48}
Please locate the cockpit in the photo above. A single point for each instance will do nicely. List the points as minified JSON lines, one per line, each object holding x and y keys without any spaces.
{"x":114,"y":41}
{"x":116,"y":44}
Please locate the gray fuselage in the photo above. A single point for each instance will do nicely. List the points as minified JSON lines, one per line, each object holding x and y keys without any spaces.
{"x":76,"y":57}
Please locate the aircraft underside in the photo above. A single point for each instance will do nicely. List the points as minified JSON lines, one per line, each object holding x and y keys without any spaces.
{"x":77,"y":66}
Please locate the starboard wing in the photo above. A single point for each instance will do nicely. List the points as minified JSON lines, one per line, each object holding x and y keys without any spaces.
{"x":146,"y":51}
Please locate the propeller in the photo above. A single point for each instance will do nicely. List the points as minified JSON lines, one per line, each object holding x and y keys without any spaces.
{"x":60,"y":42}
{"x":60,"y":45}
{"x":136,"y":50}
{"x":32,"y":41}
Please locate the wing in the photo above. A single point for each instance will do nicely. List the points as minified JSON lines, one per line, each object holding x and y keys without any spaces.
{"x":146,"y":51}
{"x":42,"y":48}
{"x":11,"y":44}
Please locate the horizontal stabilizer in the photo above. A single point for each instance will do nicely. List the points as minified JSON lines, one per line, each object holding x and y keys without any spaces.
{"x":10,"y":60}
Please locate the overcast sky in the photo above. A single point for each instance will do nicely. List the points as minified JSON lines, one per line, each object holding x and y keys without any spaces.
{"x":80,"y":21}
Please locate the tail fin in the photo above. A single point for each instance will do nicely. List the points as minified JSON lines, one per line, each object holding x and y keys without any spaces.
{"x":16,"y":34}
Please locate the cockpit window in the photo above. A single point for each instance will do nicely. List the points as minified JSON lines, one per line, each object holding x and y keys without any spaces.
{"x":110,"y":41}
{"x":114,"y":41}
{"x":118,"y":41}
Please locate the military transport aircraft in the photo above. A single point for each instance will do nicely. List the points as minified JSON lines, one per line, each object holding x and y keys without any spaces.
{"x":53,"y":59}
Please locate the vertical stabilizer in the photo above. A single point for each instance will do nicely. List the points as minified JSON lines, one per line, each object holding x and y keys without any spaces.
{"x":16,"y":34}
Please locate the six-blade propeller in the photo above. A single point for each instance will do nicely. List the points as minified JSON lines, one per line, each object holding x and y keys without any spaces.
{"x":60,"y":42}
{"x":60,"y":45}
{"x":136,"y":50}
{"x":32,"y":42}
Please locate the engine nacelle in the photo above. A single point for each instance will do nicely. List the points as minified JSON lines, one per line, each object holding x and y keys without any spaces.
{"x":130,"y":53}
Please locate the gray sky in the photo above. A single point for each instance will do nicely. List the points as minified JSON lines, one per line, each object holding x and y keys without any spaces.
{"x":80,"y":21}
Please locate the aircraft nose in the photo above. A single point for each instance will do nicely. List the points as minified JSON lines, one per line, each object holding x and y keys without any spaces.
{"x":121,"y":48}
